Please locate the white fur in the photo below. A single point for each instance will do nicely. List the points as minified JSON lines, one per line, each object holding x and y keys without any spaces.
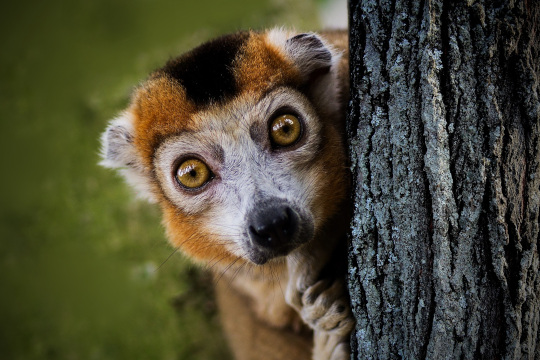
{"x":116,"y":149}
{"x":119,"y":152}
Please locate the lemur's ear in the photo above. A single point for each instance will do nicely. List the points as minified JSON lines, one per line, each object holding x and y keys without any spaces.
{"x":118,"y":152}
{"x":318,"y":64}
{"x":310,"y":54}
{"x":117,"y":143}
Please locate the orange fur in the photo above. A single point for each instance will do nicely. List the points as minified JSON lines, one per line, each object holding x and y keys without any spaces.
{"x":190,"y":234}
{"x":161,"y":109}
{"x":261,"y":66}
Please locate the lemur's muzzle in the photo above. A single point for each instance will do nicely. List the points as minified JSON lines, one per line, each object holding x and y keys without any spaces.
{"x":274,"y":228}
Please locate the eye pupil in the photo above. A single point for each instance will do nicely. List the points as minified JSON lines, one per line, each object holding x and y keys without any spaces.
{"x":193,"y":173}
{"x":285,"y":130}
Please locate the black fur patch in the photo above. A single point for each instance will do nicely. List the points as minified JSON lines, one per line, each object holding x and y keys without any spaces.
{"x":206,"y":72}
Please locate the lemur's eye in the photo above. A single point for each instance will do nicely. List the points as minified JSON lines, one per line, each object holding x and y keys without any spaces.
{"x":285,"y":130}
{"x":193,"y":173}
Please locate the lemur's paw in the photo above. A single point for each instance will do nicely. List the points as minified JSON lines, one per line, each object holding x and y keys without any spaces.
{"x":325,"y":307}
{"x":328,"y":346}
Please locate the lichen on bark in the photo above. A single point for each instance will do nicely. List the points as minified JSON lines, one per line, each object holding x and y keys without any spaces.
{"x":444,"y":142}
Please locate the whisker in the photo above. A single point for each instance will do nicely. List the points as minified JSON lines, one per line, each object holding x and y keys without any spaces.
{"x":176,"y":248}
{"x":167,"y":259}
{"x":226,"y":269}
{"x":211,"y":263}
{"x":279,"y":283}
{"x":235,"y":274}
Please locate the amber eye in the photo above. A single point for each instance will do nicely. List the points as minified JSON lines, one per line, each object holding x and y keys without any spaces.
{"x":193,"y":173}
{"x":285,"y":130}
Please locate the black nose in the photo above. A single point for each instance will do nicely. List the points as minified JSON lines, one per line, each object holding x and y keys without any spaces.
{"x":273,"y":228}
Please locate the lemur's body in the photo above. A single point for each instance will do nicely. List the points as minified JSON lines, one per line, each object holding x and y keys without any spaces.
{"x":240,"y":141}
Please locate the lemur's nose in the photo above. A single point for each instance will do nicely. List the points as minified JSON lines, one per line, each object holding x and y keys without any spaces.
{"x":274,"y":227}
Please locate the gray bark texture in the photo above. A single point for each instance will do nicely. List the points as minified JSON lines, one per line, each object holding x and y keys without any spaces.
{"x":444,"y":127}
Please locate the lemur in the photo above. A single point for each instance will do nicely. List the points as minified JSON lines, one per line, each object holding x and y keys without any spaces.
{"x":241,"y":143}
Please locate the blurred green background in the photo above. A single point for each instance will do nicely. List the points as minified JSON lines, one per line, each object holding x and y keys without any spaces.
{"x":83,"y":265}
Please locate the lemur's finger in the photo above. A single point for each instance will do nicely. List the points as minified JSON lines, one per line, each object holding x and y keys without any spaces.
{"x":313,"y":292}
{"x":335,"y":318}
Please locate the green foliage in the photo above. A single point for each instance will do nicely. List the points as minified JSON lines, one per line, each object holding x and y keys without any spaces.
{"x":81,"y":272}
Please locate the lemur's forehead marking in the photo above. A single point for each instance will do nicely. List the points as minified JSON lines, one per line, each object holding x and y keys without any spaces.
{"x":262,"y":65}
{"x":206,"y":73}
{"x":210,"y":75}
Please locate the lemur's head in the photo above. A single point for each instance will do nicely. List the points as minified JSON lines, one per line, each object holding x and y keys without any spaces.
{"x":238,"y":140}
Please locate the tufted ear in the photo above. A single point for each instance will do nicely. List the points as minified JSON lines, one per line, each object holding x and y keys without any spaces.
{"x":119,"y":152}
{"x":317,"y":62}
{"x":117,"y":143}
{"x":310,"y":54}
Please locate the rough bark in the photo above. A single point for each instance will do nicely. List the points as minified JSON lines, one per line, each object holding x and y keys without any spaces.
{"x":444,"y":140}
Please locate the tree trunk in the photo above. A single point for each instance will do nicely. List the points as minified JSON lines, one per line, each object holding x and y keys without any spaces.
{"x":444,"y":140}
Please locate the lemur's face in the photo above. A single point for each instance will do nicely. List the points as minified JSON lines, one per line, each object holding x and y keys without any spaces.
{"x":233,"y":139}
{"x":250,"y":173}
